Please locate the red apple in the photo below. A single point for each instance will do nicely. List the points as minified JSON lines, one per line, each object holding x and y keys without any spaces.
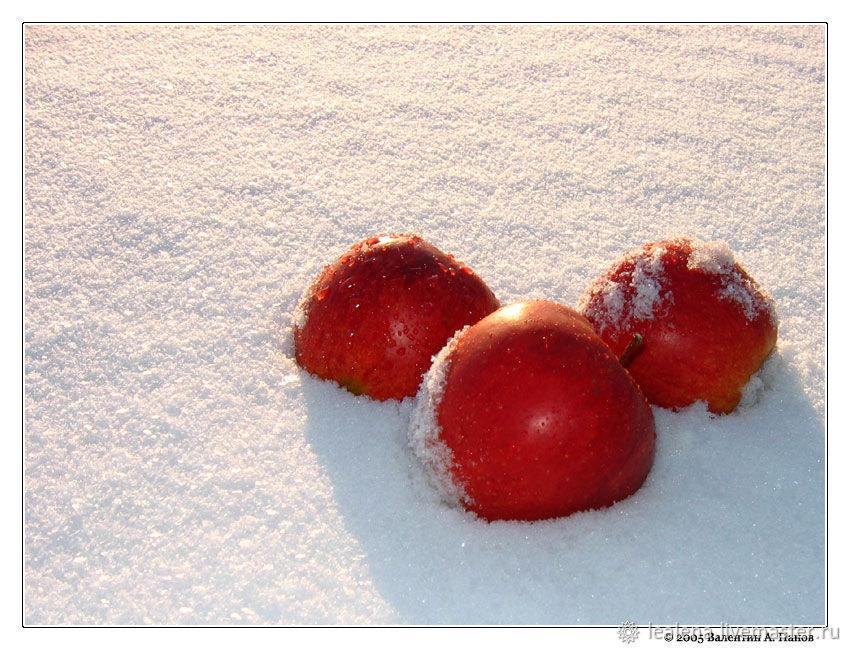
{"x":529,"y":415}
{"x":705,"y":323}
{"x":374,"y":318}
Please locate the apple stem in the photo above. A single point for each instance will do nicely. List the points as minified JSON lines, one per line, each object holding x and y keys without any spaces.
{"x":631,"y":350}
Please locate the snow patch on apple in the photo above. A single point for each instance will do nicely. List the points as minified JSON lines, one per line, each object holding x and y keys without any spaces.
{"x":424,"y":430}
{"x":647,"y":296}
{"x":711,"y":256}
{"x":717,"y":258}
{"x":648,"y":282}
{"x":613,"y":304}
{"x":742,"y":292}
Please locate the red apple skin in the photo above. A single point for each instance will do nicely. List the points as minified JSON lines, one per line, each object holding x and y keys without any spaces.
{"x":541,"y":419}
{"x":698,"y":344}
{"x":374,"y":318}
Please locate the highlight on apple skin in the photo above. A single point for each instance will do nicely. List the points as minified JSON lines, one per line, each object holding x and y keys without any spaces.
{"x":528,"y":415}
{"x":374,"y":318}
{"x":706,"y":325}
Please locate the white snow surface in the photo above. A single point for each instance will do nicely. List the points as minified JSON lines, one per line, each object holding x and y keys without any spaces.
{"x":185,"y":184}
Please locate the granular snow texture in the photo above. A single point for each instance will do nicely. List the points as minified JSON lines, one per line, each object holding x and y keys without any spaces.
{"x":184,"y":184}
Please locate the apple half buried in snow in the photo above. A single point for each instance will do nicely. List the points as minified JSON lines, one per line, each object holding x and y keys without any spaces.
{"x":375,"y":317}
{"x":528,"y":415}
{"x":706,"y":326}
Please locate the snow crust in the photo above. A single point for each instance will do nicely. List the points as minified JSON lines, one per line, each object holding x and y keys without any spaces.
{"x":185,"y":184}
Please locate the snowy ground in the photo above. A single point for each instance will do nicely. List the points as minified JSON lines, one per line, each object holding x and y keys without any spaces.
{"x":183,"y":186}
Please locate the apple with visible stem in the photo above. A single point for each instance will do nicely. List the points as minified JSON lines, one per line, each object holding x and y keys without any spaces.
{"x":704,"y":323}
{"x":374,"y":318}
{"x":528,"y":415}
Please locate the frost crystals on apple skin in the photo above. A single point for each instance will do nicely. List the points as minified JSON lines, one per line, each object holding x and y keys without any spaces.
{"x":644,"y":295}
{"x":424,"y":431}
{"x":711,"y":256}
{"x":717,"y":258}
{"x":648,"y":283}
{"x":608,"y":300}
